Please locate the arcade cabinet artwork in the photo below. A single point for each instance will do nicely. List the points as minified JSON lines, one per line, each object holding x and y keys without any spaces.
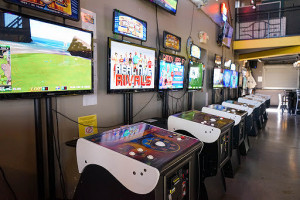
{"x":5,"y":68}
{"x":138,"y":162}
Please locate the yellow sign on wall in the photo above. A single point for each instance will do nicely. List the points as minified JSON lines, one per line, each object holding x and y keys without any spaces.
{"x":87,"y":125}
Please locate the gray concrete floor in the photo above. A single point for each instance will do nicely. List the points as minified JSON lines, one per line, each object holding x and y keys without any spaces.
{"x":271,"y":170}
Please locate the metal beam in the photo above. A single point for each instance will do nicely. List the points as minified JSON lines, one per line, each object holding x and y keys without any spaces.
{"x":270,"y":53}
{"x":266,"y":43}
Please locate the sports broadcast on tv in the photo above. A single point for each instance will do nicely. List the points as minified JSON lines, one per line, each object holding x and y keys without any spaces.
{"x":171,"y":71}
{"x":196,"y":75}
{"x":129,"y":26}
{"x":218,"y":78}
{"x":131,"y":67}
{"x":227,"y":77}
{"x":44,"y":57}
{"x":234,"y":79}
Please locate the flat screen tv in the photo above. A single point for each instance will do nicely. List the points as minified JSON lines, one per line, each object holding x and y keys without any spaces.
{"x":195,"y":51}
{"x":129,"y":26}
{"x":196,"y":75}
{"x":227,"y":77}
{"x":234,"y":79}
{"x":218,"y":60}
{"x":171,"y":41}
{"x":218,"y":78}
{"x":131,"y":67}
{"x":168,"y":5}
{"x":227,"y":63}
{"x":171,"y":72}
{"x":227,"y":36}
{"x":64,"y":8}
{"x":39,"y":58}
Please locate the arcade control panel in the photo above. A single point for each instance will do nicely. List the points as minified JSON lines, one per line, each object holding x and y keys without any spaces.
{"x":238,"y":105}
{"x":141,"y":157}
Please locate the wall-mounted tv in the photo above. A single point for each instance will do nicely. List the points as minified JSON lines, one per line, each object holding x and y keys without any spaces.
{"x":171,"y":41}
{"x":39,"y":58}
{"x":227,"y":63}
{"x":218,"y":60}
{"x":171,"y":72}
{"x":227,"y":36}
{"x":64,"y":8}
{"x":195,"y":51}
{"x":227,"y":77}
{"x":218,"y":78}
{"x":234,"y":79}
{"x":131,"y":67}
{"x":129,"y":26}
{"x":196,"y":75}
{"x":168,"y":5}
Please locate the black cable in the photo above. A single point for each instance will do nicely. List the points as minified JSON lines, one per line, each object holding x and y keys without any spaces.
{"x":157,"y":32}
{"x":178,"y":97}
{"x":192,"y":20}
{"x":58,"y":155}
{"x":72,"y":120}
{"x":7,"y":183}
{"x":144,"y":106}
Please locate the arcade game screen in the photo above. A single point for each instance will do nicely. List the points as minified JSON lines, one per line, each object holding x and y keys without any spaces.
{"x":129,"y":26}
{"x":227,"y":63}
{"x":171,"y":41}
{"x":168,"y":5}
{"x":218,"y":78}
{"x":131,"y":67}
{"x":227,"y":77}
{"x":63,"y":8}
{"x":196,"y":75}
{"x":240,"y":79}
{"x":41,"y":57}
{"x":218,"y":60}
{"x":171,"y":71}
{"x":195,"y":51}
{"x":234,"y":79}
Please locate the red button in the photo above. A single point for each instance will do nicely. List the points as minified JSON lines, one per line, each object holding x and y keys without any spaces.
{"x":182,"y":137}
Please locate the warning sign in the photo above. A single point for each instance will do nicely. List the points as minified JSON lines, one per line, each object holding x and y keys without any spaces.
{"x":87,"y":125}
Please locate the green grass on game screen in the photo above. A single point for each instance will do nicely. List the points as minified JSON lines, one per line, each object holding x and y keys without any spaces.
{"x":33,"y":72}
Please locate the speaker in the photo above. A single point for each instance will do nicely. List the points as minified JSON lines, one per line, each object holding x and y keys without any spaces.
{"x":252,"y":64}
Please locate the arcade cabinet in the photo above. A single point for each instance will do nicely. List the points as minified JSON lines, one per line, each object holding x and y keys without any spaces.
{"x":138,"y":162}
{"x":238,"y":137}
{"x":216,"y":133}
{"x":264,"y":106}
{"x":251,"y":126}
{"x":267,"y":97}
{"x":258,"y":105}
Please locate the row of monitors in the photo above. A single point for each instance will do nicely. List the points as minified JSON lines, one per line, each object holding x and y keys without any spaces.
{"x":40,"y":58}
{"x":71,"y":9}
{"x":227,"y":78}
{"x":132,"y":68}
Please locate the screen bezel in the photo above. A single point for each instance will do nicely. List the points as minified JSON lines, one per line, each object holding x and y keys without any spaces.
{"x":120,"y":91}
{"x":158,"y":73}
{"x":214,"y":76}
{"x":203,"y":75}
{"x":113,"y":25}
{"x":165,"y":33}
{"x":191,"y":51}
{"x":30,"y":95}
{"x":173,"y":13}
{"x":49,"y":12}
